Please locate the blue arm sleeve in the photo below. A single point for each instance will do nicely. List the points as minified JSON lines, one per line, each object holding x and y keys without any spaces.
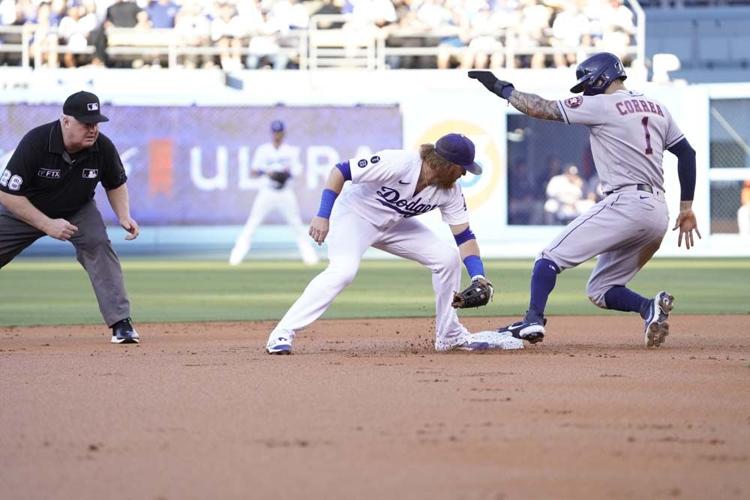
{"x":685,"y":168}
{"x":345,"y":169}
{"x":327,"y":198}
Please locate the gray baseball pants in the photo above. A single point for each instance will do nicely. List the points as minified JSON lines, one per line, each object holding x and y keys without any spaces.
{"x":624,"y":230}
{"x":93,"y":250}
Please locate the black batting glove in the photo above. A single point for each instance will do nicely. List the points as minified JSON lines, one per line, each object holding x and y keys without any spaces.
{"x":490,"y":81}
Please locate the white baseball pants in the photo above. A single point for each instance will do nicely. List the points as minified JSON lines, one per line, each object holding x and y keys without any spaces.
{"x":268,"y":200}
{"x":349,"y":237}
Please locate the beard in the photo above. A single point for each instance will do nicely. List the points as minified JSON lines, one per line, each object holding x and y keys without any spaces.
{"x":446,"y":178}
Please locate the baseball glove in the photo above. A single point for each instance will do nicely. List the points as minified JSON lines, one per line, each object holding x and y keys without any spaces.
{"x":279,"y":178}
{"x":479,"y":293}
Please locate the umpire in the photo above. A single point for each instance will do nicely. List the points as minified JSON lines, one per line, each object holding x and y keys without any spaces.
{"x":48,"y":188}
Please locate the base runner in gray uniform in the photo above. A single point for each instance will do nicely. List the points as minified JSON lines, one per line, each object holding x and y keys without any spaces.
{"x":47,"y":188}
{"x":629,"y":133}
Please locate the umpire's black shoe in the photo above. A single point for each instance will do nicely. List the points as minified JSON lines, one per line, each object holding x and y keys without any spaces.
{"x":124,"y":333}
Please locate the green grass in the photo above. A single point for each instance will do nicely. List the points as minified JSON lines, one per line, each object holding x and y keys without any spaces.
{"x":38,"y":292}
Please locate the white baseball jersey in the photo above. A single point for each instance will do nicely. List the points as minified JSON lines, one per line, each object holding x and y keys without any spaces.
{"x":629,"y":133}
{"x":267,"y":158}
{"x":382,"y":191}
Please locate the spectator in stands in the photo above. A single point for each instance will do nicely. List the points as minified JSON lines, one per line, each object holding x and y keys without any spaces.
{"x":617,"y":28}
{"x":445,"y":25}
{"x":565,"y":197}
{"x":193,"y":29}
{"x":125,"y":14}
{"x":162,"y":13}
{"x":265,"y":32}
{"x":743,"y":213}
{"x":570,"y":30}
{"x":531,"y":32}
{"x":484,"y":48}
{"x":229,"y":34}
{"x":7,"y":12}
{"x":122,"y":14}
{"x":329,"y":8}
{"x":407,"y":31}
{"x":44,"y":41}
{"x":74,"y":31}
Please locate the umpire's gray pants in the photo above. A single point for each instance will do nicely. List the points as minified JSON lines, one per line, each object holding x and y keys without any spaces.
{"x":93,"y":250}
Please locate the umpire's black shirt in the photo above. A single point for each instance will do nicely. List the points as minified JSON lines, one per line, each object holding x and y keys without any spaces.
{"x":56,"y":183}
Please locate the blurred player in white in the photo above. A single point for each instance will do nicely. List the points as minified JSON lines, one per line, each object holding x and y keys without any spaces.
{"x":629,"y":133}
{"x":378,"y":208}
{"x":278,"y":163}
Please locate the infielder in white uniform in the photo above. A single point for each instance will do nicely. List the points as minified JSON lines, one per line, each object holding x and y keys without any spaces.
{"x":629,"y":133}
{"x":378,"y":209}
{"x":278,"y":163}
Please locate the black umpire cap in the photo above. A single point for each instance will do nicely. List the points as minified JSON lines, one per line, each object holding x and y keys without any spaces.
{"x":84,"y":107}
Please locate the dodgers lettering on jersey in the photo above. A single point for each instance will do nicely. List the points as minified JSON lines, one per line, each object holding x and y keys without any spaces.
{"x":382,"y":190}
{"x":629,"y":133}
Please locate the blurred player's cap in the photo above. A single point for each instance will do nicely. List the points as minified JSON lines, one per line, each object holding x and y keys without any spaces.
{"x":277,"y":126}
{"x":84,"y":107}
{"x":458,"y":149}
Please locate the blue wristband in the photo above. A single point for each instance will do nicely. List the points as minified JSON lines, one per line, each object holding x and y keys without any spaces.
{"x":474,"y":265}
{"x":464,"y":236}
{"x":327,"y":198}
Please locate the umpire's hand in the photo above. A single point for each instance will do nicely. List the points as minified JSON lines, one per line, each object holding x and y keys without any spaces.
{"x":60,"y":229}
{"x":131,"y":227}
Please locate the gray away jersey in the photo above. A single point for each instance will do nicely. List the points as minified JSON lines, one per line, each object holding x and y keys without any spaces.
{"x":629,"y":133}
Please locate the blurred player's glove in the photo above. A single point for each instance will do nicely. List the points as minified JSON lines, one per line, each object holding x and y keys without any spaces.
{"x":499,"y":87}
{"x":279,"y":178}
{"x":479,"y":293}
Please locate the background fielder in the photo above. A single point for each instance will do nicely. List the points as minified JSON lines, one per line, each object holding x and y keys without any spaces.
{"x":378,"y":209}
{"x":278,"y":163}
{"x":629,"y":133}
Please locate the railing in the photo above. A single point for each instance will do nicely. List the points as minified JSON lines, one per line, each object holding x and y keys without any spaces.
{"x":346,"y":46}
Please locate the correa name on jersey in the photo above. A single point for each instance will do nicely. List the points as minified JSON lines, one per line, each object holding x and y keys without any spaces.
{"x":638,"y":106}
{"x":391,"y":198}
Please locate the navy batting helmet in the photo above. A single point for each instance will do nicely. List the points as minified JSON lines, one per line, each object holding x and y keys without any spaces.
{"x":597,"y":72}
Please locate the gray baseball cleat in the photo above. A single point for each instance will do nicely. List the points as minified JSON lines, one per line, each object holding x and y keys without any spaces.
{"x":656,"y":326}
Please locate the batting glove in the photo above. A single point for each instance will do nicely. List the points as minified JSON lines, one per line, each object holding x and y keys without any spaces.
{"x":492,"y":83}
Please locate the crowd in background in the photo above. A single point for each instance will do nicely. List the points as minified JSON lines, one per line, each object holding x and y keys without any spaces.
{"x":255,"y":33}
{"x":556,"y":194}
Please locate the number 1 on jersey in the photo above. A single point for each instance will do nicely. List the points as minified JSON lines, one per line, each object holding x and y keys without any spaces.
{"x":644,"y":122}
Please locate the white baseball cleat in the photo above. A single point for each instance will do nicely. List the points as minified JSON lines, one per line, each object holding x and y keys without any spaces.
{"x":656,"y":326}
{"x":481,"y":341}
{"x":280,"y":342}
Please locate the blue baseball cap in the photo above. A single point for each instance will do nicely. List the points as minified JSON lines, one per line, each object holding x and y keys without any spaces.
{"x":458,"y":149}
{"x":277,"y":126}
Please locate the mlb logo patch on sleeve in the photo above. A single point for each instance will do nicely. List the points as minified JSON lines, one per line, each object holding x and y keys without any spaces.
{"x":90,"y":173}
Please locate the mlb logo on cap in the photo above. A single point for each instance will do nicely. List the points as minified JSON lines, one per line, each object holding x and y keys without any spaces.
{"x":92,"y":106}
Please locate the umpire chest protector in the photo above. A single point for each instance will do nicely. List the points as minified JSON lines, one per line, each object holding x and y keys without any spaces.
{"x":54,"y":181}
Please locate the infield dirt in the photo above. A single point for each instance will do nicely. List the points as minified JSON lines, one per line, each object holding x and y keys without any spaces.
{"x":366,"y":409}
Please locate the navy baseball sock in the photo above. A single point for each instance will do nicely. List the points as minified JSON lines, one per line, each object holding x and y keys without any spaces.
{"x":543,"y":279}
{"x":624,"y":299}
